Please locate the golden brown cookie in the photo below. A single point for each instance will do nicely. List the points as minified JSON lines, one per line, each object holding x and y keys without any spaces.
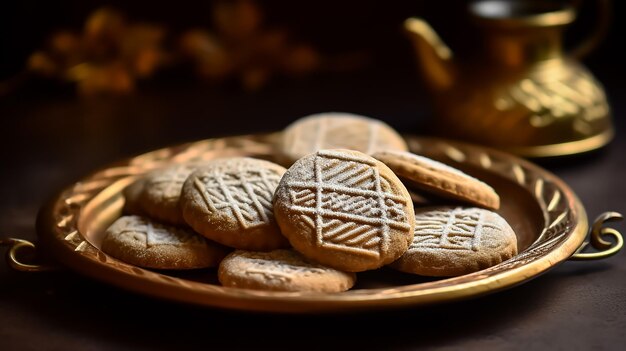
{"x":160,"y":197}
{"x":438,"y":178}
{"x":145,"y":243}
{"x":344,"y":209}
{"x":281,"y":270}
{"x":132,"y":196}
{"x":230,"y":201}
{"x":451,"y":241}
{"x":335,"y":130}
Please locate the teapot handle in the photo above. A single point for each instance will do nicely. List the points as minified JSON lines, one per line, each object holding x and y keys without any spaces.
{"x":603,"y":19}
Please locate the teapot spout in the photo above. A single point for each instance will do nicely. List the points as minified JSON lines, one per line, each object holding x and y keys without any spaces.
{"x":433,"y":56}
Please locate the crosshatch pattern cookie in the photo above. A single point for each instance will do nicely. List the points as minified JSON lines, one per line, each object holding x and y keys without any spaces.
{"x":338,"y":131}
{"x":344,"y":209}
{"x":281,"y":270}
{"x":453,"y":241}
{"x":160,"y":198}
{"x":438,"y":178}
{"x":230,"y":201}
{"x":142,"y":242}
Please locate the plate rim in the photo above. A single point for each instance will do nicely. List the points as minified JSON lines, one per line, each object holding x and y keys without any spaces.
{"x":77,"y":254}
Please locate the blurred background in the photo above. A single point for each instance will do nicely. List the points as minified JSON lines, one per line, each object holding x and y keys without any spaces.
{"x":86,"y":83}
{"x":292,"y":59}
{"x":349,"y":56}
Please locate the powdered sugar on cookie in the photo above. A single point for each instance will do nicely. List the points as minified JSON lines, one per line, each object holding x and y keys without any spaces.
{"x":143,"y":242}
{"x":230,"y":201}
{"x":281,"y":270}
{"x":344,"y":202}
{"x":338,"y":130}
{"x":438,"y":178}
{"x":451,"y":241}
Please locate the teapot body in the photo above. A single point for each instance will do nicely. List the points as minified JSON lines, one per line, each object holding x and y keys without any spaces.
{"x":521,"y":91}
{"x":549,"y":108}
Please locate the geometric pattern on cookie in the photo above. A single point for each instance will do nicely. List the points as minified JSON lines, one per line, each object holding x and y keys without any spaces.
{"x":338,"y":131}
{"x":348,"y":206}
{"x":458,"y":229}
{"x":452,"y":241}
{"x":246,"y":193}
{"x":438,"y":178}
{"x":230,"y":201}
{"x":143,"y":242}
{"x":281,"y":270}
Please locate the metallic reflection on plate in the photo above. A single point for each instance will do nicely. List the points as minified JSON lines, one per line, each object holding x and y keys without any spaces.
{"x":548,"y":218}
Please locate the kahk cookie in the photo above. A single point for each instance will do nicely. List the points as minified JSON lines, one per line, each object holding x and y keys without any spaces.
{"x":344,"y":209}
{"x":160,"y":197}
{"x":338,"y":131}
{"x":132,"y":198}
{"x":440,"y":179}
{"x":453,"y":241}
{"x":281,"y":270}
{"x":145,"y":243}
{"x":230,"y":201}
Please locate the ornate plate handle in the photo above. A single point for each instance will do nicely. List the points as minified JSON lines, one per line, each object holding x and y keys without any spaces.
{"x":605,"y":248}
{"x":18,"y":250}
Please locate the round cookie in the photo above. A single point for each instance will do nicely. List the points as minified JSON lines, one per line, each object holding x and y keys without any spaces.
{"x":453,"y":241}
{"x":337,"y":130}
{"x":281,"y":270}
{"x":145,"y":243}
{"x":230,"y":201}
{"x":160,"y":198}
{"x":438,"y":178}
{"x":132,"y":196}
{"x":344,"y":209}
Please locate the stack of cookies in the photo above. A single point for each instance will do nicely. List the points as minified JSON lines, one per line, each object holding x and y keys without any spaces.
{"x":343,"y":206}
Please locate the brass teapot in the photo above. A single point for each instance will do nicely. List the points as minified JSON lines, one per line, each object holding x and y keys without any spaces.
{"x":523,"y":93}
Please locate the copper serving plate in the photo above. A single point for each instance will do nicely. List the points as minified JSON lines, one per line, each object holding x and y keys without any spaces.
{"x":548,"y":218}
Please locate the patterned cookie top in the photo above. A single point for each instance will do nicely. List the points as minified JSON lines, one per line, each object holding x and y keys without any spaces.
{"x":230,"y":201}
{"x":338,"y":131}
{"x":452,"y":241}
{"x":344,"y":209}
{"x":281,"y":270}
{"x":440,"y":179}
{"x":162,"y":189}
{"x":150,"y":233}
{"x":143,"y":242}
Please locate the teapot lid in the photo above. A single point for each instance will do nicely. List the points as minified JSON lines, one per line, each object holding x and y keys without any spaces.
{"x":522,"y":13}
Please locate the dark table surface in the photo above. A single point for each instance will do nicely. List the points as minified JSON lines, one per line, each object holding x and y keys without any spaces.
{"x":50,"y":140}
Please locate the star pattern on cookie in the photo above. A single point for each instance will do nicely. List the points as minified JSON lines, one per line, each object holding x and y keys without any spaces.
{"x":459,"y":229}
{"x":348,"y":204}
{"x":245,"y":193}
